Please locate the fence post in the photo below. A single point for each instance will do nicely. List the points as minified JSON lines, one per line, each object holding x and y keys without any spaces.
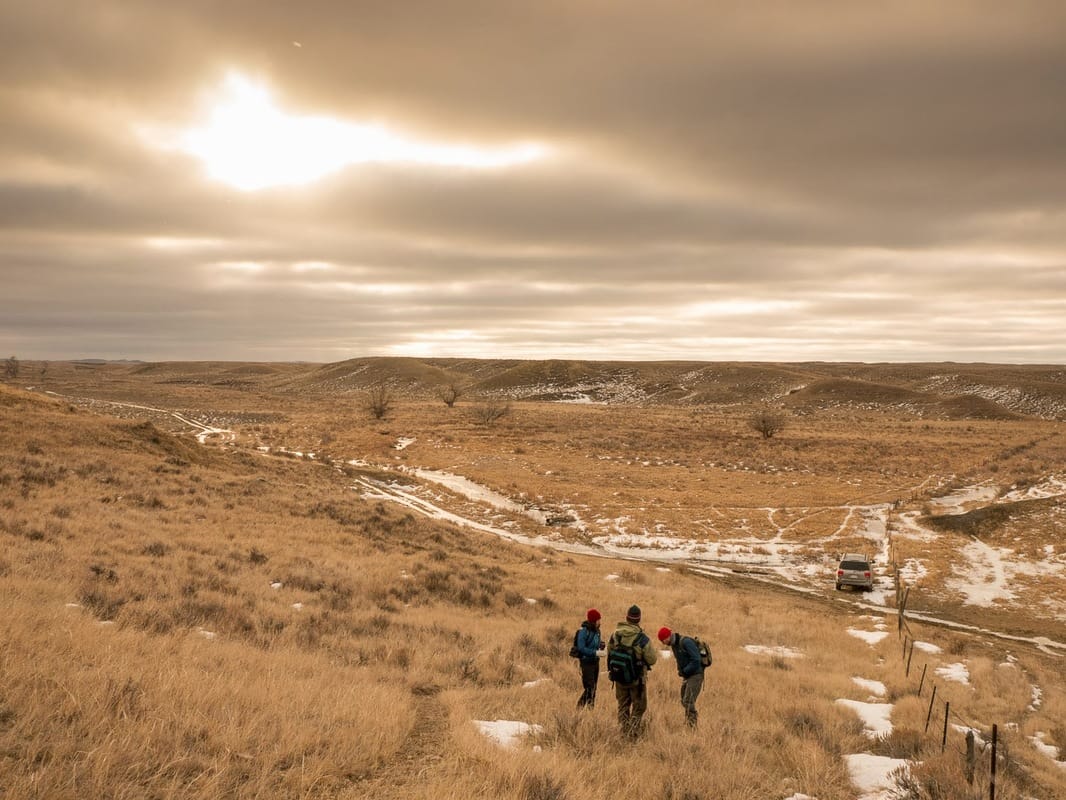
{"x":910,"y":655}
{"x":921,"y":683}
{"x":971,"y":756}
{"x":992,"y":783}
{"x":944,"y":738}
{"x":904,"y":653}
{"x":929,"y":714}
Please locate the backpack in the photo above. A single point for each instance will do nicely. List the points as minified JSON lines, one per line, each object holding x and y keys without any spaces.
{"x":705,"y":652}
{"x":623,"y":661}
{"x":574,"y":652}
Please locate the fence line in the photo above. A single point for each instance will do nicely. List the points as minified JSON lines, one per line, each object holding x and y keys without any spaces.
{"x":908,"y":639}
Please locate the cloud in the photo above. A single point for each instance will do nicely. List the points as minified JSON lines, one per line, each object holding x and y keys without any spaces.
{"x":887,"y":181}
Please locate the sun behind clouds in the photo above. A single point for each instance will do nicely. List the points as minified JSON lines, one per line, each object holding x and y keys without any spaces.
{"x":249,"y":143}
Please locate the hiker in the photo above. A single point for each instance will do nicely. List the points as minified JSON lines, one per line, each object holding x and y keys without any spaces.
{"x":588,"y":644}
{"x":630,"y":655}
{"x":690,"y":666}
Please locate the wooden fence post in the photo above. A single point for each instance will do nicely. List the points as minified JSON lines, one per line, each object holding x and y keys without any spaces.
{"x":921,"y":683}
{"x":971,"y":756}
{"x":910,"y":655}
{"x":929,"y":714}
{"x":992,"y":782}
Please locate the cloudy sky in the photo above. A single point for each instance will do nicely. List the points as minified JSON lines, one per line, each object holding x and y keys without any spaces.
{"x":256,"y":180}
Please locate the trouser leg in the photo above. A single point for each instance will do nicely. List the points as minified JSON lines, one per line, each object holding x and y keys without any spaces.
{"x":690,"y":690}
{"x":632,"y":703}
{"x":621,"y":694}
{"x":590,"y":675}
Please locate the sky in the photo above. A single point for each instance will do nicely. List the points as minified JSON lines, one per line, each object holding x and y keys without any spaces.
{"x":598,"y":179}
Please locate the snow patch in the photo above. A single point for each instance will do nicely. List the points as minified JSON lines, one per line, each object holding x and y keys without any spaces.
{"x":873,"y":687}
{"x":875,"y":716}
{"x":506,"y":733}
{"x":1048,"y":749}
{"x":957,"y":672}
{"x":872,"y":774}
{"x":763,"y":650}
{"x":870,"y":637}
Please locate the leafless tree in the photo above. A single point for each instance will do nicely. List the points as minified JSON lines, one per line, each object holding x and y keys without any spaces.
{"x":11,"y":368}
{"x":490,"y":412}
{"x":379,"y":401}
{"x":450,"y":392}
{"x":767,"y":422}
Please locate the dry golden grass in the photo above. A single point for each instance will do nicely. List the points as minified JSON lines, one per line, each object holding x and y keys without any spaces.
{"x":208,"y":682}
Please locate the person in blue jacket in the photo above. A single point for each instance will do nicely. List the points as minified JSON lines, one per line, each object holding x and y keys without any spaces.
{"x":689,"y":668}
{"x":589,"y":645}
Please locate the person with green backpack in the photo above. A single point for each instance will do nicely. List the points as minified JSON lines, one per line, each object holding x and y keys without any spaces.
{"x":692,"y":657}
{"x":630,"y":655}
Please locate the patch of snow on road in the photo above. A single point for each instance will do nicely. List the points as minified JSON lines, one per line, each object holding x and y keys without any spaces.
{"x":875,"y":716}
{"x":957,"y":672}
{"x":964,"y":500}
{"x":1051,"y":486}
{"x":475,"y":491}
{"x":506,"y":733}
{"x":873,"y":774}
{"x":870,"y":637}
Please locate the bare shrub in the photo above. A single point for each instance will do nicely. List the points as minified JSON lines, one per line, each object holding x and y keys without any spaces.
{"x":491,"y":412}
{"x":767,"y":422}
{"x":11,"y":368}
{"x":378,"y":401}
{"x":450,"y":392}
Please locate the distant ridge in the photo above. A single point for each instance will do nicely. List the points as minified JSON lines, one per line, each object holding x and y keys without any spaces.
{"x":934,"y":390}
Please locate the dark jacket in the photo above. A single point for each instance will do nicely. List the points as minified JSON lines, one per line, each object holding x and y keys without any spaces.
{"x":588,"y":642}
{"x":687,"y":655}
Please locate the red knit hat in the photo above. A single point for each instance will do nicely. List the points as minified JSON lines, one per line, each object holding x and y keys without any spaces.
{"x":593,"y":615}
{"x":664,"y":634}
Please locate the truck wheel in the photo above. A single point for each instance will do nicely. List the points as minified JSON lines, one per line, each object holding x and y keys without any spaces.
{"x":838,"y":587}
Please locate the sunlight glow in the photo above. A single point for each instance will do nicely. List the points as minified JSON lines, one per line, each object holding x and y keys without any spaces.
{"x":179,"y":243}
{"x":249,"y":267}
{"x":250,"y":144}
{"x":734,"y":308}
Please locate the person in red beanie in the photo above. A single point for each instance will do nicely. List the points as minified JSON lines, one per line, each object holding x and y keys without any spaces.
{"x":587,"y":647}
{"x":690,"y":668}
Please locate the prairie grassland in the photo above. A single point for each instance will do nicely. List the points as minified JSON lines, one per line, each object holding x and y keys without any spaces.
{"x":201,"y":622}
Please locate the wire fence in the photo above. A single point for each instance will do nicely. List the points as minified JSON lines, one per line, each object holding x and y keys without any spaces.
{"x":978,"y":744}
